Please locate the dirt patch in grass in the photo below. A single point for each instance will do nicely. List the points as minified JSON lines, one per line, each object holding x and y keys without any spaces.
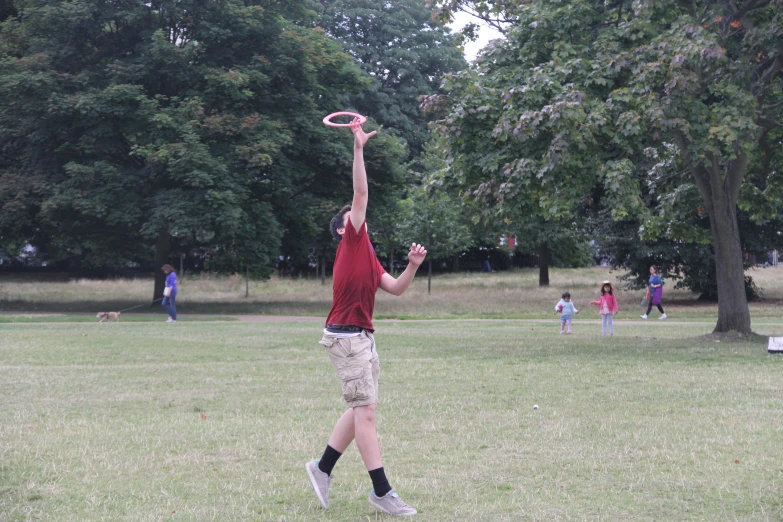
{"x":733,"y":337}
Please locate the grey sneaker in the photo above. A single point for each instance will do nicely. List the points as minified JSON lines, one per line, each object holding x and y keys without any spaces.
{"x":320,"y":482}
{"x":391,"y":503}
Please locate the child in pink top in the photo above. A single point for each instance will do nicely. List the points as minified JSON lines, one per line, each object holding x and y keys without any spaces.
{"x":607,"y":305}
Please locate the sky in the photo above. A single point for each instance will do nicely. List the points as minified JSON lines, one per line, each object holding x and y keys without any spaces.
{"x":485,"y":34}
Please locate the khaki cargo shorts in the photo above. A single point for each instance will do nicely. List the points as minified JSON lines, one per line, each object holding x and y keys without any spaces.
{"x":358,"y":366}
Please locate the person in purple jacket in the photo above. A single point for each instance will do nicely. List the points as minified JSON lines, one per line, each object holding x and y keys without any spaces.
{"x":170,"y":293}
{"x":654,"y":293}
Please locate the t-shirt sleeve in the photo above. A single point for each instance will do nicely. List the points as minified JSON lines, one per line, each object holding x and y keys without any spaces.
{"x":380,"y":268}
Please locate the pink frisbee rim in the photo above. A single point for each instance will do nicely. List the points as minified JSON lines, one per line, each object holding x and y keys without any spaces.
{"x":328,"y":122}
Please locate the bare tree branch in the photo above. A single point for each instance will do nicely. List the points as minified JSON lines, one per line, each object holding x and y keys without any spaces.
{"x":492,"y":22}
{"x":773,"y":106}
{"x":747,"y":7}
{"x":699,"y":173}
{"x":768,"y":76}
{"x":690,"y":6}
{"x":767,"y":123}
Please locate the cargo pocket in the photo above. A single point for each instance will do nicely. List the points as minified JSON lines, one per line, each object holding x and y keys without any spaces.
{"x":356,"y":381}
{"x":327,"y":341}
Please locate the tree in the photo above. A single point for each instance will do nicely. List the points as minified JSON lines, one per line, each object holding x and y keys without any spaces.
{"x":403,"y":51}
{"x":436,"y":221}
{"x":690,"y":263}
{"x":7,"y":9}
{"x":131,"y":125}
{"x":581,"y":91}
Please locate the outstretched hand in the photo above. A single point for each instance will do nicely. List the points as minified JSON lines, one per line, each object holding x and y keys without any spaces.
{"x":359,"y":136}
{"x":417,"y":254}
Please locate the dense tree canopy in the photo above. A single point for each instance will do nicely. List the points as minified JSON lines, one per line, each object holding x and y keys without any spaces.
{"x":403,"y":51}
{"x":582,"y":94}
{"x":178,"y":124}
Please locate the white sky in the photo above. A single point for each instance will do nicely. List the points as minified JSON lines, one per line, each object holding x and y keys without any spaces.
{"x":486,"y":34}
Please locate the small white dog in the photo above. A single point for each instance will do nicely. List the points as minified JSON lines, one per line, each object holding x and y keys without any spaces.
{"x":109,"y":317}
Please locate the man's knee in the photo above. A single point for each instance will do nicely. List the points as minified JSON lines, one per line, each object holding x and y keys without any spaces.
{"x":364,"y":414}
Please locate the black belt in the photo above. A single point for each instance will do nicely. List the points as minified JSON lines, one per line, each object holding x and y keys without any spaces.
{"x":343,"y":328}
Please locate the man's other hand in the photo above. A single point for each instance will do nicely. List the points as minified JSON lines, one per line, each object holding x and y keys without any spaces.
{"x":417,"y":254}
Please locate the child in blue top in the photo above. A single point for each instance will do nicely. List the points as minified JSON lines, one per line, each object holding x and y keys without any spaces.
{"x":566,"y":309}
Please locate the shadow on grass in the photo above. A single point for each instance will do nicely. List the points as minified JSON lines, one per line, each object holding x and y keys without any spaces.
{"x":187,"y":307}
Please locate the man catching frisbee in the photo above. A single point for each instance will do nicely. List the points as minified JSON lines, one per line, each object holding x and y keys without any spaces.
{"x":348,"y":338}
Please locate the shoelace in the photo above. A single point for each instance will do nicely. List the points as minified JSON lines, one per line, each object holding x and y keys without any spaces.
{"x":395,"y":498}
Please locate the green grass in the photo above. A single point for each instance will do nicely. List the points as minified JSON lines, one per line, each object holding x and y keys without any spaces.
{"x":513,"y":294}
{"x":82,"y":318}
{"x":106,"y":423}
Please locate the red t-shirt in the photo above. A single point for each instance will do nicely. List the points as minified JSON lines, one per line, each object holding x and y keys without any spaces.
{"x":357,"y":275}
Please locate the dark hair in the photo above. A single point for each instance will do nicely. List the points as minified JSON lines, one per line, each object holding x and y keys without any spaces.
{"x":604,"y":286}
{"x":566,"y":294}
{"x":337,"y":222}
{"x":167,"y":268}
{"x":654,"y":268}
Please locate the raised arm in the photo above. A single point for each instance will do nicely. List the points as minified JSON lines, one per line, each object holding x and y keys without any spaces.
{"x":359,"y":204}
{"x":398,"y":286}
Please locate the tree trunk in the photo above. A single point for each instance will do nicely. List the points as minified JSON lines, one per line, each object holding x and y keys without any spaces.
{"x":247,"y":280}
{"x":162,"y":248}
{"x":181,"y":274}
{"x":543,"y":264}
{"x":455,"y":264}
{"x":733,"y":312}
{"x":719,"y":186}
{"x":391,"y":261}
{"x":429,"y":277}
{"x":322,"y":267}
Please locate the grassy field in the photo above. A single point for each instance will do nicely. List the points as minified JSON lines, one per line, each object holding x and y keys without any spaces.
{"x":90,"y":318}
{"x":214,"y":421}
{"x":499,"y":295}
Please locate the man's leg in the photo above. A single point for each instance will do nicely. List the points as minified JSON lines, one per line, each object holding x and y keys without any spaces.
{"x":367,"y":437}
{"x":343,"y":432}
{"x":382,"y":496}
{"x":341,"y":438}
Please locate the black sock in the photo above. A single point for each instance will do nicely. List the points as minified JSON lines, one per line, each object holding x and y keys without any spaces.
{"x":328,"y":460}
{"x":380,"y":484}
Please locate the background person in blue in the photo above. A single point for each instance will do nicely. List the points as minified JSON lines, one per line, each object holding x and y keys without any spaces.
{"x":170,"y":293}
{"x":654,"y":293}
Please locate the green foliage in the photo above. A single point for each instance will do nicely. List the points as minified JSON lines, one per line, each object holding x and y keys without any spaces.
{"x":402,"y":50}
{"x":613,"y":98}
{"x":123,"y":123}
{"x":690,"y":264}
{"x":436,"y":221}
{"x":572,"y":251}
{"x":7,"y":9}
